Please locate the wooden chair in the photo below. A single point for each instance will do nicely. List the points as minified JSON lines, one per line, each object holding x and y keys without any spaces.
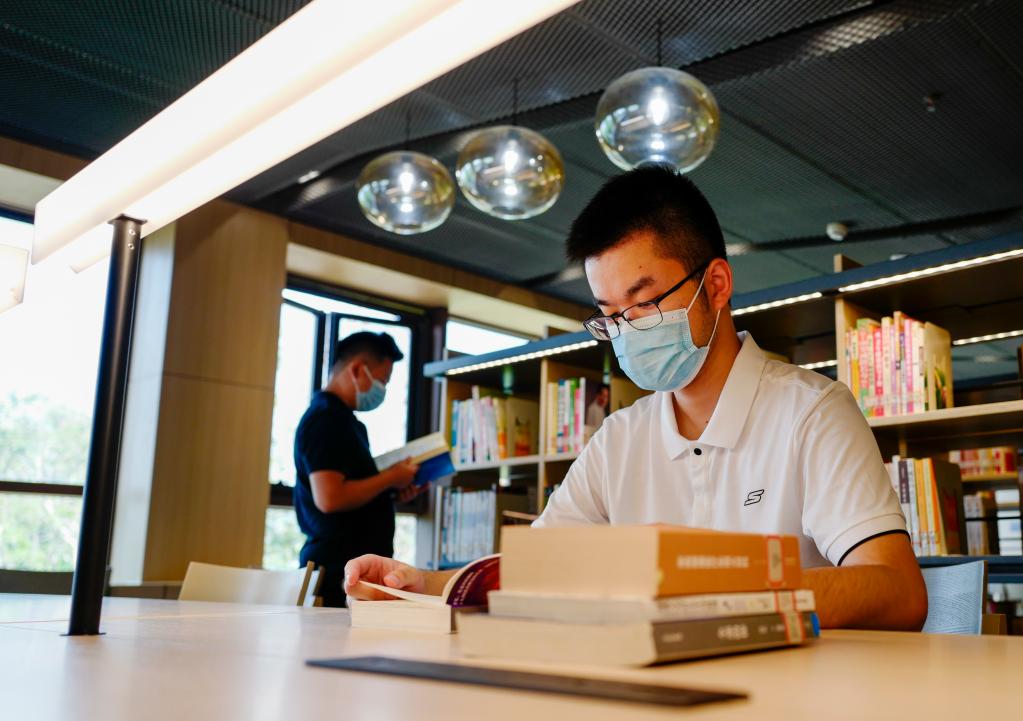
{"x":208,"y":582}
{"x":955,"y":598}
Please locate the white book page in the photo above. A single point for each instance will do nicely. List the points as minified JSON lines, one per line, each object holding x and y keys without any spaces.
{"x":425,"y":599}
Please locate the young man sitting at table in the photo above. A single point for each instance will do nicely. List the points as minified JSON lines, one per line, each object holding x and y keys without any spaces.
{"x":730,"y":440}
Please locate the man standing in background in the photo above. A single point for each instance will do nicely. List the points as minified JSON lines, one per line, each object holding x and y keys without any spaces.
{"x":596,"y":412}
{"x":344,"y":504}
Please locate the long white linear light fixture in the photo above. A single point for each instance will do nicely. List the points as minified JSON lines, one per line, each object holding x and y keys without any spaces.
{"x":777,"y":303}
{"x":331,"y":63}
{"x":934,"y":270}
{"x":522,"y":357}
{"x":991,"y":336}
{"x":13,"y":266}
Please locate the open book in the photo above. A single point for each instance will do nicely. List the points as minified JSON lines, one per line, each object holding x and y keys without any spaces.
{"x":431,"y":453}
{"x":465,"y":591}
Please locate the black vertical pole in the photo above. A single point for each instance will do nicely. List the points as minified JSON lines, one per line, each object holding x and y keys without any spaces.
{"x":107,"y":422}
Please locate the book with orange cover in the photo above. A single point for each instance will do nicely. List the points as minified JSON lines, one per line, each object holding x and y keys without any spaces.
{"x":645,"y":561}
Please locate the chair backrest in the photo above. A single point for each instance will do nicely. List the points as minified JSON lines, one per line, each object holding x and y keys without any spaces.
{"x":208,"y":582}
{"x":955,"y":597}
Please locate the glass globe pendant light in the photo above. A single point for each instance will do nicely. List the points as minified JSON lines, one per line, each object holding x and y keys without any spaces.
{"x":510,"y":172}
{"x":657,"y":115}
{"x":405,"y":192}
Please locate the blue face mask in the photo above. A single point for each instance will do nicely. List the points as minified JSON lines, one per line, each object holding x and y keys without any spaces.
{"x":663,"y":358}
{"x":370,"y":399}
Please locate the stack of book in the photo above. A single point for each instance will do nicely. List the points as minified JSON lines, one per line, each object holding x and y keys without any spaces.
{"x":979,"y":462}
{"x":636,"y":595}
{"x":491,"y":428}
{"x":898,"y":365}
{"x":567,"y":401}
{"x":930,"y":492}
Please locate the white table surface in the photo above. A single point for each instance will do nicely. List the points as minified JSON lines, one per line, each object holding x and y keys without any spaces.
{"x":196,"y":661}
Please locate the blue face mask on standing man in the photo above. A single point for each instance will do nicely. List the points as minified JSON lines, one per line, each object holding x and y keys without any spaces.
{"x":665,"y":357}
{"x":370,"y":399}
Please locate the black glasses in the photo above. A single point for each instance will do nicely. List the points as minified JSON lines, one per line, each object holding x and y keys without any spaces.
{"x":641,"y":316}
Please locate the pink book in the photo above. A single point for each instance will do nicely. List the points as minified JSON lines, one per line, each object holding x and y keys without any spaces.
{"x":878,"y":371}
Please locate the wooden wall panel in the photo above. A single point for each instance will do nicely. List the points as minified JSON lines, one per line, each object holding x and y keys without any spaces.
{"x":229,"y":273}
{"x":210,"y":489}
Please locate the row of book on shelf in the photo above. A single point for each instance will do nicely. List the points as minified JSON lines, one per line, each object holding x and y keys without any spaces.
{"x":568,"y":401}
{"x":930,"y":492}
{"x":467,"y":524}
{"x":619,"y":595}
{"x":487,"y":428}
{"x":995,"y":461}
{"x":898,"y":365}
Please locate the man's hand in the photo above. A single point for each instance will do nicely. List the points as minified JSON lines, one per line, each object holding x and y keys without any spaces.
{"x":407,"y":493}
{"x":383,"y":571}
{"x":402,"y":473}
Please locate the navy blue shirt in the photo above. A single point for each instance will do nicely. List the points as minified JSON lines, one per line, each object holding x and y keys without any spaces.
{"x":330,"y":438}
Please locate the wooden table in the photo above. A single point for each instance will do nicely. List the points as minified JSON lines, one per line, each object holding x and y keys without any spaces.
{"x":196,"y":661}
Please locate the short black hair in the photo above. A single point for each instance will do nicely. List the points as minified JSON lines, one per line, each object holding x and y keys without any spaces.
{"x":379,"y":346}
{"x":654,"y":198}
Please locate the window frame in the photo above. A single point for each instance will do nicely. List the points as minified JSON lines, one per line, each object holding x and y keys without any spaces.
{"x":416,"y":319}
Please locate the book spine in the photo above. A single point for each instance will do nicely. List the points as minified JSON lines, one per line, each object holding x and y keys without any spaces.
{"x":727,"y":564}
{"x":862,"y":344}
{"x":919,"y":371}
{"x":577,"y":436}
{"x":685,"y":639}
{"x":878,"y":368}
{"x":937,"y":519}
{"x":908,"y":501}
{"x":886,"y":366}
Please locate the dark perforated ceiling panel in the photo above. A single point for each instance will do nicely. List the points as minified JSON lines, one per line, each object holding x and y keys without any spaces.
{"x":823,"y":116}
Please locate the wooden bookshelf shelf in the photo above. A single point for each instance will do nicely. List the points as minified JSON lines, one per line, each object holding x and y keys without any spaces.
{"x":501,"y":463}
{"x":555,"y":457}
{"x":993,"y":478}
{"x":958,"y":426}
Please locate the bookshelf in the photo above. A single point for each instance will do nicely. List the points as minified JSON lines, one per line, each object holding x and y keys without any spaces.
{"x":971,"y":290}
{"x":525,"y":372}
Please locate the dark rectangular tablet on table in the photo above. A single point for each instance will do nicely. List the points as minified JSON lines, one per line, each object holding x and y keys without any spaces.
{"x":523,"y":681}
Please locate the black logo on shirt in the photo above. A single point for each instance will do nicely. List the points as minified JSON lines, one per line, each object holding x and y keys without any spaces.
{"x":754,"y":497}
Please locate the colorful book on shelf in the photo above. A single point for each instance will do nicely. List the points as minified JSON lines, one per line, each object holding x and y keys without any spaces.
{"x":431,"y":453}
{"x":994,"y":461}
{"x":931,"y":497}
{"x":488,"y":428}
{"x":465,"y":591}
{"x":650,"y":561}
{"x":898,"y":365}
{"x":631,"y":644}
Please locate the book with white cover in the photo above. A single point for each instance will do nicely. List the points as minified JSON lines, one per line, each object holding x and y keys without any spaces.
{"x":589,"y":609}
{"x":465,"y":591}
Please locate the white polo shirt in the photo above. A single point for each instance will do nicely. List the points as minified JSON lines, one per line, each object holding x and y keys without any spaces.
{"x":786,"y":451}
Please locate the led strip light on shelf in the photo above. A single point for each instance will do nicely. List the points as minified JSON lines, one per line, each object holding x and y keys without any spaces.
{"x":777,"y":303}
{"x":522,"y":357}
{"x":935,"y":270}
{"x":821,"y":364}
{"x":985,"y":338}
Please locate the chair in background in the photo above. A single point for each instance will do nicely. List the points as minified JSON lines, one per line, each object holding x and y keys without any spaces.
{"x":955,"y":599}
{"x":208,"y":582}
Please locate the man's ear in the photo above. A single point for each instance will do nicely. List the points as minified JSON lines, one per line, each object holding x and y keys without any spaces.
{"x":719,"y":283}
